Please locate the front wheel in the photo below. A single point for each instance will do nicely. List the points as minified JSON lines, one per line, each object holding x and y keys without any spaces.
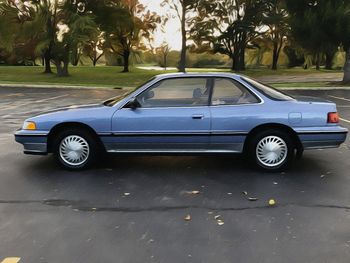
{"x":75,"y":149}
{"x":272,"y":150}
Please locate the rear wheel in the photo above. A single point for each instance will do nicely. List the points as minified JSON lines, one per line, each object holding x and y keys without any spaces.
{"x":75,"y":149}
{"x":271,"y":150}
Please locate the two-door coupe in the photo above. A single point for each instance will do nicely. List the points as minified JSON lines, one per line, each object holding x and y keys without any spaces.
{"x":189,"y":114}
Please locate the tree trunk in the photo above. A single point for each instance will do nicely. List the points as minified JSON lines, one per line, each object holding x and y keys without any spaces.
{"x":242,"y":58}
{"x":233,"y":65}
{"x":329,"y":60}
{"x":346,"y":78}
{"x":318,"y":61}
{"x":274,"y":57}
{"x":62,"y":67}
{"x":238,"y":61}
{"x":235,"y":61}
{"x":47,"y":59}
{"x":126,"y":56}
{"x":165,"y":62}
{"x":182,"y":63}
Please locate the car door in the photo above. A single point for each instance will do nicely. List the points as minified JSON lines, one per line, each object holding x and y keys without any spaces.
{"x":173,"y":116}
{"x":234,"y":109}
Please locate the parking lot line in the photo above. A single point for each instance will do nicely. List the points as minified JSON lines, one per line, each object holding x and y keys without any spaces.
{"x":344,"y":120}
{"x":11,"y":260}
{"x":339,"y":98}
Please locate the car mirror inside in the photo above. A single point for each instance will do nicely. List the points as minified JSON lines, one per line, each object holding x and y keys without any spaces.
{"x":133,"y":104}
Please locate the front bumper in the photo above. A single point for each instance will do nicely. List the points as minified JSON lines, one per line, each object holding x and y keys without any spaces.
{"x":34,"y":142}
{"x":322,"y":137}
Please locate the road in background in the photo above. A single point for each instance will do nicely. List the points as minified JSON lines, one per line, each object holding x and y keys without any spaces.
{"x":132,"y":209}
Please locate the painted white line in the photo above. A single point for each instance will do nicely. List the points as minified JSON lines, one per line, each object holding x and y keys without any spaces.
{"x":11,"y":260}
{"x":339,"y":98}
{"x":53,"y":98}
{"x":344,"y":120}
{"x":12,"y":107}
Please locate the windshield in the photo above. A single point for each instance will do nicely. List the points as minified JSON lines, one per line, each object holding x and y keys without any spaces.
{"x":268,"y":91}
{"x":114,"y":100}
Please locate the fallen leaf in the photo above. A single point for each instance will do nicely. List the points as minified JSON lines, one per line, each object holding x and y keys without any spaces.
{"x":188,"y":218}
{"x":245,"y":192}
{"x":252,"y":199}
{"x":229,"y":193}
{"x":275,"y":183}
{"x":126,"y":194}
{"x":217,"y":217}
{"x":220,"y":222}
{"x":195,"y":192}
{"x":272,"y":202}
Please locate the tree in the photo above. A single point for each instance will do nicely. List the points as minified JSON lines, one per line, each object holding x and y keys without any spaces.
{"x":227,"y":27}
{"x":43,"y":27}
{"x":276,"y":18}
{"x":9,"y":23}
{"x":314,"y":26}
{"x":125,"y":24}
{"x":163,"y":51}
{"x":183,"y":9}
{"x":61,"y":28}
{"x":79,"y":28}
{"x":342,"y":30}
{"x":15,"y":47}
{"x":94,"y":48}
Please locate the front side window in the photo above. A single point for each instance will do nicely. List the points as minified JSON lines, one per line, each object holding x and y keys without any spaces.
{"x":178,"y":92}
{"x":230,"y":92}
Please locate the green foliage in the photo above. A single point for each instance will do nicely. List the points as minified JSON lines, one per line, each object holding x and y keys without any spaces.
{"x":238,"y":24}
{"x":320,"y":27}
{"x":125,"y":24}
{"x":276,"y":19}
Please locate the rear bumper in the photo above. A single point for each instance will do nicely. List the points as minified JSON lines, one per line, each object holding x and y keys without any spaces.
{"x":322,"y":138}
{"x":34,"y":142}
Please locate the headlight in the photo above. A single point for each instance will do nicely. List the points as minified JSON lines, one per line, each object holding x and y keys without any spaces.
{"x":29,"y":125}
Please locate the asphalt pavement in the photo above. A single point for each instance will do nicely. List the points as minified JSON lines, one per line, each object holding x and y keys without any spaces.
{"x":133,"y":209}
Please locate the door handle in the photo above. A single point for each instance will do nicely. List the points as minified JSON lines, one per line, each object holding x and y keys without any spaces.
{"x":198,"y":116}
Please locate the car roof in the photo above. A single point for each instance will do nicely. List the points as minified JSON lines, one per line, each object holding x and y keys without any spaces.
{"x":197,"y":74}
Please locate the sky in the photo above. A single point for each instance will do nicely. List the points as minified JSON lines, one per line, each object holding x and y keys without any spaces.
{"x":172,"y":29}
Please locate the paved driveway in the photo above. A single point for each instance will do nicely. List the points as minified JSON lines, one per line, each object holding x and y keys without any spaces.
{"x":132,"y":209}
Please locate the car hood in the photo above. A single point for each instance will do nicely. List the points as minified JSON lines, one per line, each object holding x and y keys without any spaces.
{"x":74,"y":108}
{"x":311,"y":99}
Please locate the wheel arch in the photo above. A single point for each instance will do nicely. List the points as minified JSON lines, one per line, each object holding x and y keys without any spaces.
{"x":70,"y":125}
{"x":276,"y":126}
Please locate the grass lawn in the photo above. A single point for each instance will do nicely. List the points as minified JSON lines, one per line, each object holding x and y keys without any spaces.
{"x":102,"y":76}
{"x":82,"y":76}
{"x":308,"y":84}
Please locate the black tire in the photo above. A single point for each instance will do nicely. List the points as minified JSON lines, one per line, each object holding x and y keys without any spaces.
{"x":254,"y":153}
{"x":78,"y":133}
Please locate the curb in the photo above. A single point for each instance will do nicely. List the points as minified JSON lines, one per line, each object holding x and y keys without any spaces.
{"x":313,"y":88}
{"x":55,"y":86}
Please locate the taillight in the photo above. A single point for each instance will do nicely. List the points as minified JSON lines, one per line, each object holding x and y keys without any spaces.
{"x":333,"y":117}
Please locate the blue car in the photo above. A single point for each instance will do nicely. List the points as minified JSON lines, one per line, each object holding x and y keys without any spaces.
{"x":217,"y":113}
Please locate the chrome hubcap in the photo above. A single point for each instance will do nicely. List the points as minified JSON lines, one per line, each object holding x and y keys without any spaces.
{"x":74,"y":150}
{"x":272,"y":151}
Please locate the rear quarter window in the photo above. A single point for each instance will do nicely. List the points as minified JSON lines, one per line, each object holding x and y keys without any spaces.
{"x":268,"y":91}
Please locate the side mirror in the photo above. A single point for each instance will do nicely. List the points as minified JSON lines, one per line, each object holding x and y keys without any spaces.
{"x":133,"y":104}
